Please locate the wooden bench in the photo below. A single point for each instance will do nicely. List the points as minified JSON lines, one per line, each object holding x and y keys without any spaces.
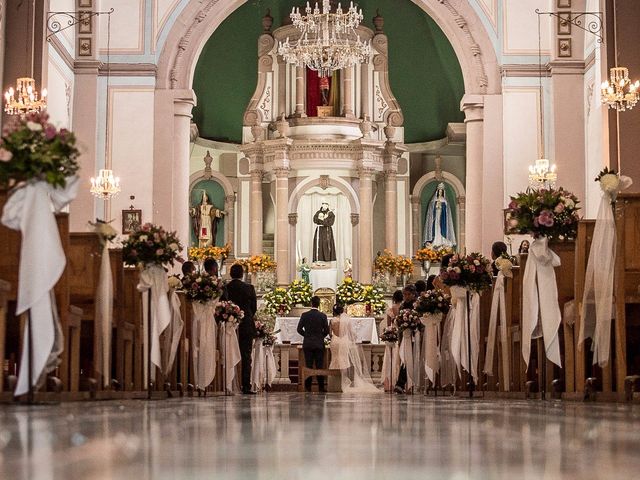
{"x":304,"y":372}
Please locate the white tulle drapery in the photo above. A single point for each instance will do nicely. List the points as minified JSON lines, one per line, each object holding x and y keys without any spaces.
{"x":203,"y":349}
{"x":263,"y":365}
{"x":497,"y":320}
{"x":540,"y":310}
{"x":172,"y":334}
{"x":309,"y":204}
{"x":448,"y":367}
{"x":104,"y":316}
{"x":462,"y":328}
{"x":597,"y":300}
{"x":406,"y":357}
{"x":30,"y":209}
{"x":390,"y":365}
{"x":230,"y":349}
{"x":430,"y":345}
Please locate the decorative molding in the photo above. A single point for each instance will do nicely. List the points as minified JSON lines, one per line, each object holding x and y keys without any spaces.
{"x":355,"y":219}
{"x":524,"y":70}
{"x":207,"y":165}
{"x":129,"y":70}
{"x":293,"y":219}
{"x":324,"y":182}
{"x":85,"y":47}
{"x":564,"y":47}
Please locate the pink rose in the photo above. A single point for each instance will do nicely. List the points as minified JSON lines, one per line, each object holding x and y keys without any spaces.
{"x":50,"y":132}
{"x":513,"y":205}
{"x":5,"y":155}
{"x":545,"y":218}
{"x":159,"y":252}
{"x":559,"y":208}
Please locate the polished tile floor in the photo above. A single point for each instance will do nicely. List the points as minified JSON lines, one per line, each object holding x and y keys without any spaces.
{"x":314,"y":436}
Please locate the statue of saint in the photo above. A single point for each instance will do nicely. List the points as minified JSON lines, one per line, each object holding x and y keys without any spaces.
{"x":324,"y":247}
{"x":438,"y":225}
{"x":205,"y":221}
{"x":348,"y":268}
{"x":324,"y":90}
{"x":304,"y":270}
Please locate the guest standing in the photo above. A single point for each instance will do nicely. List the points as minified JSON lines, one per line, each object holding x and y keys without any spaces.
{"x":243,"y":295}
{"x":211,"y":266}
{"x":313,"y":327}
{"x":497,"y":249}
{"x":393,"y":310}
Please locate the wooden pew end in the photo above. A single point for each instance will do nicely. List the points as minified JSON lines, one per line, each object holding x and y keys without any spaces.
{"x":530,"y":388}
{"x":557,"y":386}
{"x":167,"y":388}
{"x":54,"y":384}
{"x":590,"y":388}
{"x":180,"y":388}
{"x":115,"y":385}
{"x":631,"y":386}
{"x":190,"y":389}
{"x":10,"y":383}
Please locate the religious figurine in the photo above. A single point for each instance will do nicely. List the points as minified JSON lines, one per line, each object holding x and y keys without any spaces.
{"x":438,"y":225}
{"x":348,"y":268}
{"x":324,"y":247}
{"x":304,"y":270}
{"x":324,"y":90}
{"x":205,"y":221}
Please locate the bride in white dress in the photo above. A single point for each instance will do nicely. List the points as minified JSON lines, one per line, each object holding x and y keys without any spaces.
{"x":347,"y":356}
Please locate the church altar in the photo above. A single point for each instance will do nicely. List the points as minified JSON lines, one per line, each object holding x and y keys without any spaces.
{"x":323,"y":278}
{"x":364,"y":327}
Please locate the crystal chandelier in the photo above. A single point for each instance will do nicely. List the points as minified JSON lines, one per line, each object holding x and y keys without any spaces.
{"x":619,"y":92}
{"x":328,"y":41}
{"x":541,"y":175}
{"x":24,"y":99}
{"x":105,"y":185}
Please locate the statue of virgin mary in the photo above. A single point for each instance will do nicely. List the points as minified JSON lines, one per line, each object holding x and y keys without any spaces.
{"x":438,"y":225}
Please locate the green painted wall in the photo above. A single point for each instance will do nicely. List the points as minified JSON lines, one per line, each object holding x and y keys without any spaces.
{"x":215,"y":192}
{"x":424,"y":72}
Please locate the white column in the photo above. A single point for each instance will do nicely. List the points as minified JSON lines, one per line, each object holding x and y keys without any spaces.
{"x":365,"y":110}
{"x":365,"y":236}
{"x":300,"y":91}
{"x":472,"y":106}
{"x":282,"y":87}
{"x":416,"y":234}
{"x":347,"y":110}
{"x":391,"y":211}
{"x":255,"y":213}
{"x":282,"y":226}
{"x":230,"y":221}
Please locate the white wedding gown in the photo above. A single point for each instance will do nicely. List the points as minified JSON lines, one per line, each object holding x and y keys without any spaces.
{"x":348,"y":357}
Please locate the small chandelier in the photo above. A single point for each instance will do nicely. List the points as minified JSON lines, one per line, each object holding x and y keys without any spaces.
{"x":105,"y":185}
{"x":24,"y":99}
{"x":328,"y":41}
{"x":541,"y":175}
{"x":619,"y":92}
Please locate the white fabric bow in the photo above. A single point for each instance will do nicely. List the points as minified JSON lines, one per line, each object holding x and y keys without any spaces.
{"x":153,"y":279}
{"x":540,"y":301}
{"x":462,"y":328}
{"x":204,"y":332}
{"x":597,"y":300}
{"x":42,"y":261}
{"x":498,"y":312}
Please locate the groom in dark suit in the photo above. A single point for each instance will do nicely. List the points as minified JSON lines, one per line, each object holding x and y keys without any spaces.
{"x":243,"y":295}
{"x":313,"y":326}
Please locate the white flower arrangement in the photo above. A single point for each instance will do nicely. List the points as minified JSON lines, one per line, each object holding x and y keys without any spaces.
{"x":612,"y":183}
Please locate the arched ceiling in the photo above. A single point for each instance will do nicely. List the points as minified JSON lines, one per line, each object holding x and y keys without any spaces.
{"x":424,"y":72}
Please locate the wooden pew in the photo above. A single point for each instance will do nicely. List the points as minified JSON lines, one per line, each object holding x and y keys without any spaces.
{"x":5,"y":288}
{"x":513,"y":348}
{"x":627,"y":288}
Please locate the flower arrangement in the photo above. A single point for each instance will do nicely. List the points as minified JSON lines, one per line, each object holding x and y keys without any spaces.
{"x":427,"y":254}
{"x":404,"y":265}
{"x":105,"y":231}
{"x":31,"y":148}
{"x":551,"y":213}
{"x":228,"y":312}
{"x":265,"y":333}
{"x":260,"y":263}
{"x":300,"y":292}
{"x":201,"y":287}
{"x":612,"y":183}
{"x":385,"y":262}
{"x":269,"y":340}
{"x":472,"y":271}
{"x":373,"y":296}
{"x":262,"y":315}
{"x":408,"y":319}
{"x":174,"y":282}
{"x":201,"y":253}
{"x":389,"y":334}
{"x":433,"y":301}
{"x":151,"y":245}
{"x":349,"y":291}
{"x":505,"y":263}
{"x":277,"y":302}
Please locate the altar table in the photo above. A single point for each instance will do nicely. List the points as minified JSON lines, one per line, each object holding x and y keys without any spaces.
{"x":364,"y":327}
{"x":323,"y":278}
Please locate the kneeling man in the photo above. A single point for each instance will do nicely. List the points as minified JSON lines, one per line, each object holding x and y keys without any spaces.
{"x":313,"y":326}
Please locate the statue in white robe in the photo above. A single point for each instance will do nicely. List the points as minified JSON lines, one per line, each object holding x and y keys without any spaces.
{"x":438,"y":225}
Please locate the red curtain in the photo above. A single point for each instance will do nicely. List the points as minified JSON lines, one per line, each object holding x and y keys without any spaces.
{"x":314,"y":98}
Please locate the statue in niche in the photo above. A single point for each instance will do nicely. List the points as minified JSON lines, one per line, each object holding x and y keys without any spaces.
{"x":438,"y":225}
{"x":324,"y":90}
{"x":205,"y":221}
{"x":324,"y":247}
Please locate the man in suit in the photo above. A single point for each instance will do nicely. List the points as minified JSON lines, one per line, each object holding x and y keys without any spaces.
{"x":313,"y":326}
{"x":243,"y":295}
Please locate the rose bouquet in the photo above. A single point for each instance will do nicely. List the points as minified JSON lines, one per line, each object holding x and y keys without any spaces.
{"x":151,"y":245}
{"x":228,"y":312}
{"x":408,"y":319}
{"x":299,"y":292}
{"x":551,"y":213}
{"x":389,"y":334}
{"x":373,"y":296}
{"x":349,"y":291}
{"x":174,"y":282}
{"x":201,"y":287}
{"x":31,"y":148}
{"x":433,"y":301}
{"x":612,"y":183}
{"x":265,"y":333}
{"x":505,"y":263}
{"x":277,"y":302}
{"x":385,"y":262}
{"x":472,"y":271}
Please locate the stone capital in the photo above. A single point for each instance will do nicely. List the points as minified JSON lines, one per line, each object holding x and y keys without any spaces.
{"x":366,"y":171}
{"x":293,"y":219}
{"x":257,"y":174}
{"x":281,"y":172}
{"x":230,"y":199}
{"x":414,"y":199}
{"x":473,"y":108}
{"x":355,"y":219}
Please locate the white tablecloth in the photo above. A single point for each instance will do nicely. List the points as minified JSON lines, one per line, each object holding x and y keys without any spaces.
{"x":364,"y":327}
{"x":323,"y":278}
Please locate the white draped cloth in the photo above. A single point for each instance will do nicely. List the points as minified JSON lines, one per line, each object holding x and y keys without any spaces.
{"x":390,"y":365}
{"x":204,"y":342}
{"x":104,"y":316}
{"x":497,"y":320}
{"x":172,"y":334}
{"x":462,"y":328}
{"x":42,"y":261}
{"x":540,"y":309}
{"x":406,"y":357}
{"x":597,"y":300}
{"x":263,"y":365}
{"x":153,"y":280}
{"x":448,"y":367}
{"x":230,"y":349}
{"x":430,"y":345}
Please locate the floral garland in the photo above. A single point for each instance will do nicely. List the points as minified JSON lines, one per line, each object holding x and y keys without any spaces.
{"x":408,"y":319}
{"x":472,"y":271}
{"x":551,"y":213}
{"x":201,"y":253}
{"x":31,"y":148}
{"x":300,"y":292}
{"x":201,"y":287}
{"x":277,"y":302}
{"x":433,"y":301}
{"x":228,"y":312}
{"x":349,"y":291}
{"x":389,"y":334}
{"x":151,"y":245}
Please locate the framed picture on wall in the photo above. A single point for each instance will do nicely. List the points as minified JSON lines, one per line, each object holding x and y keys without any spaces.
{"x":131,"y":219}
{"x":564,"y":3}
{"x":84,"y":3}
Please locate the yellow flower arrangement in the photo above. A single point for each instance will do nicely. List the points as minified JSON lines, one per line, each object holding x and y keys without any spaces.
{"x":201,"y":253}
{"x":427,"y":254}
{"x":258,"y":263}
{"x":385,"y":262}
{"x":404,"y":265}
